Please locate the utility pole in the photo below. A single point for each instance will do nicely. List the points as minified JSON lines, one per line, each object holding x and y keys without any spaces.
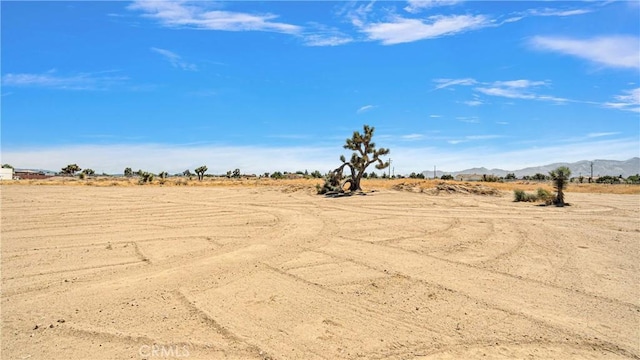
{"x":434,"y":172}
{"x":591,"y":178}
{"x":389,"y":168}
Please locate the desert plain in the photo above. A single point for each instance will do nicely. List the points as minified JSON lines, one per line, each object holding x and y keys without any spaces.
{"x":276,"y":272}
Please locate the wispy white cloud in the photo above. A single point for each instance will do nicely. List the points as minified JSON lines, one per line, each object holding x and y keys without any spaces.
{"x":444,"y":83}
{"x":610,"y":51}
{"x":473,"y":102}
{"x":316,"y":34}
{"x":326,"y":39}
{"x":402,"y":30}
{"x":198,"y":15}
{"x":416,"y":6}
{"x":470,"y":138}
{"x":558,"y":12}
{"x":175,"y":59}
{"x":413,"y":137}
{"x":601,"y":134}
{"x":518,"y":89}
{"x":523,"y":89}
{"x":629,"y":101}
{"x":468,"y":119}
{"x":366,"y":108}
{"x":521,"y":84}
{"x":358,"y":14}
{"x":513,"y":89}
{"x":78,"y":81}
{"x":483,"y":137}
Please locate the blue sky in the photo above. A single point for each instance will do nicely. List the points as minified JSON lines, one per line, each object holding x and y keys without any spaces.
{"x":279,"y":85}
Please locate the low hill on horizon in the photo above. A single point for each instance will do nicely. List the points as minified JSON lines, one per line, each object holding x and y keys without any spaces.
{"x":625,"y":168}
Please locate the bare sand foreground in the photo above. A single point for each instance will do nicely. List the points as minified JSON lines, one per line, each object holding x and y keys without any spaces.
{"x":153,"y":272}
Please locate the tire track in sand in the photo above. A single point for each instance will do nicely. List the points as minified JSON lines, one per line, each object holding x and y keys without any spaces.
{"x":575,"y":312}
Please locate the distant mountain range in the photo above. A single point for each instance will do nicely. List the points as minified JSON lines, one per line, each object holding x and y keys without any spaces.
{"x":600,"y":168}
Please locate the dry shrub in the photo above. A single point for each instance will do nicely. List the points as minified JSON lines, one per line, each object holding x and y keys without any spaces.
{"x":521,"y":195}
{"x":447,"y":188}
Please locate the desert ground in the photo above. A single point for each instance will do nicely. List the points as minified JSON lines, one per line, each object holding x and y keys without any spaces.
{"x":277,"y":272}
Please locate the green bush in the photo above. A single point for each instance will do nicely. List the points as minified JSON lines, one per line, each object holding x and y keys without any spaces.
{"x":521,"y":195}
{"x":544,"y":195}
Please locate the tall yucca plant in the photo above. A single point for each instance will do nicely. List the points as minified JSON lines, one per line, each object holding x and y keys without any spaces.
{"x":560,"y":177}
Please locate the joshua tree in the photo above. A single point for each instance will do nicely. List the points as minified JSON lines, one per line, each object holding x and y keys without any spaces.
{"x":145,"y":177}
{"x":200,"y":171}
{"x":128,"y":172}
{"x":71,"y":169}
{"x":163,"y":175}
{"x":364,"y":154}
{"x":88,"y":172}
{"x":560,"y":178}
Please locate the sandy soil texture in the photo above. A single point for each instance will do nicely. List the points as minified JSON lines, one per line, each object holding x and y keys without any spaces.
{"x":151,"y":272}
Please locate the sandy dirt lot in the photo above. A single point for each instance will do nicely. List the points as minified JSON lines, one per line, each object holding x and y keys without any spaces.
{"x":150,"y":272}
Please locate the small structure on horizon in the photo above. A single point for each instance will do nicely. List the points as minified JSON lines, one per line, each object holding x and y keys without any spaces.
{"x":6,"y":174}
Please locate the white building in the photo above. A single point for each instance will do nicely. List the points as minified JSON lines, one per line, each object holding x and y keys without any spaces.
{"x":6,"y":174}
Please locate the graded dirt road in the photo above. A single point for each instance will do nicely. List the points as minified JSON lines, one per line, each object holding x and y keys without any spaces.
{"x":150,"y":272}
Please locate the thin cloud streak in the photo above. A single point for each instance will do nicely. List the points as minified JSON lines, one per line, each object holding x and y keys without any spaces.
{"x":445,"y":83}
{"x":416,"y":6}
{"x":528,"y":90}
{"x":610,"y":51}
{"x":175,"y":59}
{"x":326,"y":40}
{"x":365,"y":109}
{"x":556,"y":12}
{"x":80,"y":81}
{"x":602,"y":134}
